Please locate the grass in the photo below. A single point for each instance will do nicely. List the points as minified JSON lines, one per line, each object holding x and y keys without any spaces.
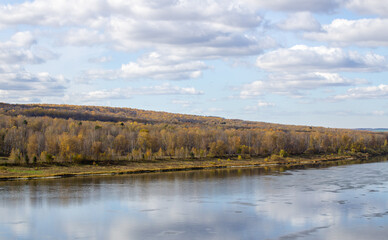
{"x":23,"y":171}
{"x":11,"y":172}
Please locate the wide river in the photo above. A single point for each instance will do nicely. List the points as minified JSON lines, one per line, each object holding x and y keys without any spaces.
{"x":343,"y":202}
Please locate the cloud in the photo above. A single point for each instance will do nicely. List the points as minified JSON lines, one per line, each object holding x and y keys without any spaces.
{"x":54,"y":13}
{"x":297,"y":5}
{"x":260,"y":105}
{"x":265,"y":104}
{"x":18,"y":50}
{"x":102,"y":59}
{"x":362,"y":32}
{"x":294,"y":84}
{"x":229,"y":14}
{"x":301,"y":58}
{"x":82,"y":37}
{"x":378,"y":113}
{"x":222,"y":28}
{"x":377,"y":7}
{"x":152,"y":66}
{"x":371,"y":92}
{"x":184,"y":30}
{"x":17,"y":84}
{"x":125,"y":93}
{"x":20,"y":40}
{"x":209,"y":37}
{"x":300,"y":21}
{"x":211,"y":32}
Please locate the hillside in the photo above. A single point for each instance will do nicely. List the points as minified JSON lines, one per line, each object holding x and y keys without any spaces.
{"x":68,"y":133}
{"x":113,"y":114}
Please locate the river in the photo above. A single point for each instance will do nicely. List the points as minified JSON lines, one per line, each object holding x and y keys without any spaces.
{"x":342,"y":202}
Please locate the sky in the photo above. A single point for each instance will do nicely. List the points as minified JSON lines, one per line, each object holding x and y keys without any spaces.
{"x":301,"y":62}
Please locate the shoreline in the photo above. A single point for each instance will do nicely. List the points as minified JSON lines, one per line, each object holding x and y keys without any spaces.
{"x":47,"y":172}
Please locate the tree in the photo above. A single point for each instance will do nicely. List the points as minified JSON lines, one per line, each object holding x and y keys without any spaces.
{"x":217,"y":149}
{"x":15,"y":156}
{"x":32,"y":145}
{"x":46,"y":157}
{"x":52,"y":133}
{"x":69,"y":146}
{"x":143,"y":139}
{"x":96,"y":150}
{"x":120,"y":144}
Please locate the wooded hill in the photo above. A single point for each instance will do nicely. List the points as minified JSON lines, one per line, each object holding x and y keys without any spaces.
{"x":65,"y":133}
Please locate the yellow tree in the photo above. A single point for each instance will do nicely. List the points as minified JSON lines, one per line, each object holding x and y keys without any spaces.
{"x":32,"y":145}
{"x":69,"y":146}
{"x":120,"y":144}
{"x":144,"y":139}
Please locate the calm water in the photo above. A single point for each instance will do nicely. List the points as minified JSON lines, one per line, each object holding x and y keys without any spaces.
{"x":346,"y":202}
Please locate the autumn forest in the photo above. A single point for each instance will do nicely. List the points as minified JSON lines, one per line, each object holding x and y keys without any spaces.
{"x":63,"y":133}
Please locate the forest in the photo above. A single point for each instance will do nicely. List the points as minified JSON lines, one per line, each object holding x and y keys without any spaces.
{"x":33,"y":133}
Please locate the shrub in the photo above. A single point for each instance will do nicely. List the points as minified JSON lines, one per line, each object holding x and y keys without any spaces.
{"x":78,"y":158}
{"x":283,"y":153}
{"x":275,"y":157}
{"x":46,"y":157}
{"x":15,"y":156}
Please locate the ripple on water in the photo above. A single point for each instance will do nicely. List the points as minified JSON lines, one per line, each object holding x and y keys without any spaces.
{"x":243,"y":203}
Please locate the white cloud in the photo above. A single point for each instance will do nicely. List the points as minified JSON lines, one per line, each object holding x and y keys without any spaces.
{"x":125,"y":93}
{"x":294,"y":84}
{"x":189,"y":39}
{"x":152,"y":66}
{"x":184,"y":29}
{"x":371,"y":92}
{"x":18,"y":50}
{"x":20,"y":40}
{"x":297,"y":5}
{"x":17,"y":84}
{"x":300,"y":21}
{"x":230,"y":14}
{"x":265,"y":104}
{"x":301,"y":58}
{"x":224,"y":47}
{"x":222,"y":28}
{"x":378,"y":113}
{"x":362,"y":32}
{"x":260,"y":105}
{"x":211,"y":30}
{"x":82,"y":37}
{"x":52,"y":13}
{"x":379,"y":7}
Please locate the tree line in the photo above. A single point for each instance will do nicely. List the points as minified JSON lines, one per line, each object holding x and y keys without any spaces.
{"x":50,"y":139}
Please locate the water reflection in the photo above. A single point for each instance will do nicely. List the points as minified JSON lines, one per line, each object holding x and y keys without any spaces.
{"x":343,"y":202}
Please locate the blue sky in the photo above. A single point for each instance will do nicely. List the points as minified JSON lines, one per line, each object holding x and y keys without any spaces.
{"x":304,"y":62}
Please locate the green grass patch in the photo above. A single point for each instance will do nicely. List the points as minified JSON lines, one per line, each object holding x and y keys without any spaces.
{"x":25,"y":171}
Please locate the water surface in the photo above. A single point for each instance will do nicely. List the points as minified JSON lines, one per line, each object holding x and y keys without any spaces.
{"x":345,"y":202}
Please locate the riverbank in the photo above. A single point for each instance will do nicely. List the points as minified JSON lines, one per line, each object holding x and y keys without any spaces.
{"x":133,"y":167}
